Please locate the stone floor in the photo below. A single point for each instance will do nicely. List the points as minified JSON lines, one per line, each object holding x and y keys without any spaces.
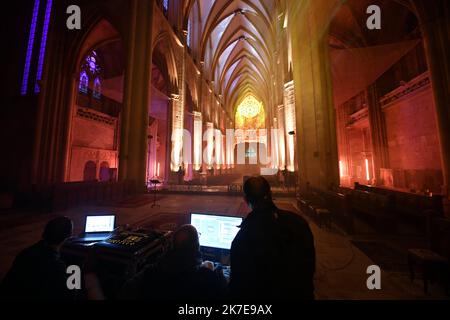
{"x":341,"y":267}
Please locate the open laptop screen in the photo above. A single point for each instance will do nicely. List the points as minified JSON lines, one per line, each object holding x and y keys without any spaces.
{"x":100,"y":223}
{"x":216,"y":231}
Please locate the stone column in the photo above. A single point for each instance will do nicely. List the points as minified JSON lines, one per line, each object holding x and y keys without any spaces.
{"x":176,"y":134}
{"x":177,"y":108}
{"x":343,"y":145}
{"x":53,"y":115}
{"x":434,"y":18}
{"x":378,"y":132}
{"x":133,"y":151}
{"x":316,"y":127}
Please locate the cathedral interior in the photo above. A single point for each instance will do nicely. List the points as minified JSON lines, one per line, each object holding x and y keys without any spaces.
{"x":154,"y":109}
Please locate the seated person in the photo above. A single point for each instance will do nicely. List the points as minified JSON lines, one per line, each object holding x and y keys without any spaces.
{"x":179,"y":275}
{"x":273,"y":255}
{"x":38,"y":273}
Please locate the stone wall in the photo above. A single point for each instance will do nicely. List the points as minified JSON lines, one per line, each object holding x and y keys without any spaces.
{"x":94,"y":141}
{"x":412,"y":136}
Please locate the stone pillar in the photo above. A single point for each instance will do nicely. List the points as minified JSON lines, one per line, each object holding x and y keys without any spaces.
{"x":281,"y":137}
{"x":53,"y":115}
{"x":176,"y":134}
{"x":316,"y":128}
{"x":198,"y":141}
{"x":343,"y":145}
{"x":133,"y":146}
{"x":378,"y":132}
{"x":178,"y":113}
{"x":290,"y":126}
{"x":434,"y":18}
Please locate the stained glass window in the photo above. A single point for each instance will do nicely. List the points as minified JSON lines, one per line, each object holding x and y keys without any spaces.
{"x":165,"y":5}
{"x":90,"y":69}
{"x":97,"y":88}
{"x":84,"y":82}
{"x":91,"y":63}
{"x":29,"y":55}
{"x":188,"y":37}
{"x":250,"y":107}
{"x":48,"y":11}
{"x":34,"y":62}
{"x":250,"y":114}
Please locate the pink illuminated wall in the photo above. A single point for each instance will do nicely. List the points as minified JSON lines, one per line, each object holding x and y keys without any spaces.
{"x":413,"y":142}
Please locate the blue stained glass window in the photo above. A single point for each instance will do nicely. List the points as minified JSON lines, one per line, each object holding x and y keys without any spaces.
{"x":84,"y":82}
{"x":188,"y":37}
{"x":48,"y":11}
{"x":166,"y":5}
{"x":97,"y":94}
{"x":92,"y":64}
{"x":29,"y":55}
{"x":90,"y":69}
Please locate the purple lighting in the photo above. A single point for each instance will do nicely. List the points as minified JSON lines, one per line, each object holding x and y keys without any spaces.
{"x":91,"y":61}
{"x":84,"y":82}
{"x":97,"y":88}
{"x":188,"y":37}
{"x":26,"y":72}
{"x":48,"y":11}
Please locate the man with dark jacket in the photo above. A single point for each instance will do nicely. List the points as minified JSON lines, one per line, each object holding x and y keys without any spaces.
{"x":38,"y":273}
{"x":180,"y":275}
{"x":273,"y":255}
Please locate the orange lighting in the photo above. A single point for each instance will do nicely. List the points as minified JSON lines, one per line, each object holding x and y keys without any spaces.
{"x":198,"y":140}
{"x":341,"y":168}
{"x":367,"y":170}
{"x":250,"y":107}
{"x":290,"y":124}
{"x":250,"y":114}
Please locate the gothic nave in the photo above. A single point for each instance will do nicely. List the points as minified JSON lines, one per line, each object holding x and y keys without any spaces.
{"x":155,"y":109}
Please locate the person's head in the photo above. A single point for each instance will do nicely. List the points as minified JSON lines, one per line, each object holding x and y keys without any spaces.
{"x":57,"y":231}
{"x":257,"y":192}
{"x":186,"y":239}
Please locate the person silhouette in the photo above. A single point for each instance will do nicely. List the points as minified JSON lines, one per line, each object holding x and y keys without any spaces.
{"x":38,"y":273}
{"x":273,"y":254}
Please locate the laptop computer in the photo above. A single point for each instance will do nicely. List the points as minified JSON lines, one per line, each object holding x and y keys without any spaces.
{"x":216,"y":232}
{"x":98,"y":228}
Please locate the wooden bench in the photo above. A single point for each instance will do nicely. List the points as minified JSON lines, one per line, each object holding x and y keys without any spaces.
{"x":376,"y":209}
{"x":68,"y":195}
{"x":327,"y":206}
{"x":314,"y":205}
{"x":411,"y":209}
{"x":339,"y":206}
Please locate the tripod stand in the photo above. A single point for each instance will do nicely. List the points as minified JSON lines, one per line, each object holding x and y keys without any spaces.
{"x":155,"y":183}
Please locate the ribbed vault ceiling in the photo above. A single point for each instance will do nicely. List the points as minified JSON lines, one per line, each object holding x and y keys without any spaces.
{"x":236,"y":42}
